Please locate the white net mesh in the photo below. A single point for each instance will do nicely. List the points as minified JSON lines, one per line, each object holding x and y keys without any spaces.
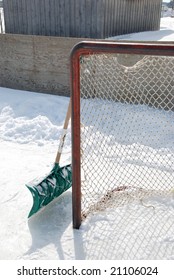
{"x":127,"y":130}
{"x":131,"y":232}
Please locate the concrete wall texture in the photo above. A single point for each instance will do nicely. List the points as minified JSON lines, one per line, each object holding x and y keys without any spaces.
{"x":40,"y":63}
{"x":36,"y":63}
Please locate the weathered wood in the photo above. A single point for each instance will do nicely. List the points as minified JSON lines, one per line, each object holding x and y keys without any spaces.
{"x":81,"y":18}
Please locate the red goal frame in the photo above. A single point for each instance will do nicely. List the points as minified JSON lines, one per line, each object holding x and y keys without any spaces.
{"x":89,"y":48}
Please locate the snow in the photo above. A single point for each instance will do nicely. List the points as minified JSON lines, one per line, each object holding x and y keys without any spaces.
{"x":30,"y":126}
{"x":166,"y":33}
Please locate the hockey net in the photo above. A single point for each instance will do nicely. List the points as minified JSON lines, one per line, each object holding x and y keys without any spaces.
{"x":126,"y":105}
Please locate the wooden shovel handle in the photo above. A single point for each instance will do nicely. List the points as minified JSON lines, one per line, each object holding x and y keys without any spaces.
{"x":62,"y":139}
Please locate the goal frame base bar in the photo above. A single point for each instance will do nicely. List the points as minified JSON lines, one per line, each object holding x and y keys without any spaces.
{"x":90,"y":48}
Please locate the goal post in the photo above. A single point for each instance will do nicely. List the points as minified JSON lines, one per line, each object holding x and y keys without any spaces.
{"x":120,"y":91}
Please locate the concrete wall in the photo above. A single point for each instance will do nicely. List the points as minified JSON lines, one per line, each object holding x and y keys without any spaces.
{"x":40,"y":63}
{"x":35,"y":63}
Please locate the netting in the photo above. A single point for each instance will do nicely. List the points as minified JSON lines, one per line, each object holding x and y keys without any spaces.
{"x":127,"y":130}
{"x":131,"y":232}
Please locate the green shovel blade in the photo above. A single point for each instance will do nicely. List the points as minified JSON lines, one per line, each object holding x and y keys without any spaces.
{"x":50,"y":187}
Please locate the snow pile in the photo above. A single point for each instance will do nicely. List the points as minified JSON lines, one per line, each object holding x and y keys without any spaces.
{"x":31,"y":118}
{"x":23,"y":130}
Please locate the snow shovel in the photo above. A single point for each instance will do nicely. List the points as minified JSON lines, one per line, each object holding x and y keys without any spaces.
{"x":56,"y":182}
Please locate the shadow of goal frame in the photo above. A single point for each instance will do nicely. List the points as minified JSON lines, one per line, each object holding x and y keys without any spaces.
{"x":102,"y":82}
